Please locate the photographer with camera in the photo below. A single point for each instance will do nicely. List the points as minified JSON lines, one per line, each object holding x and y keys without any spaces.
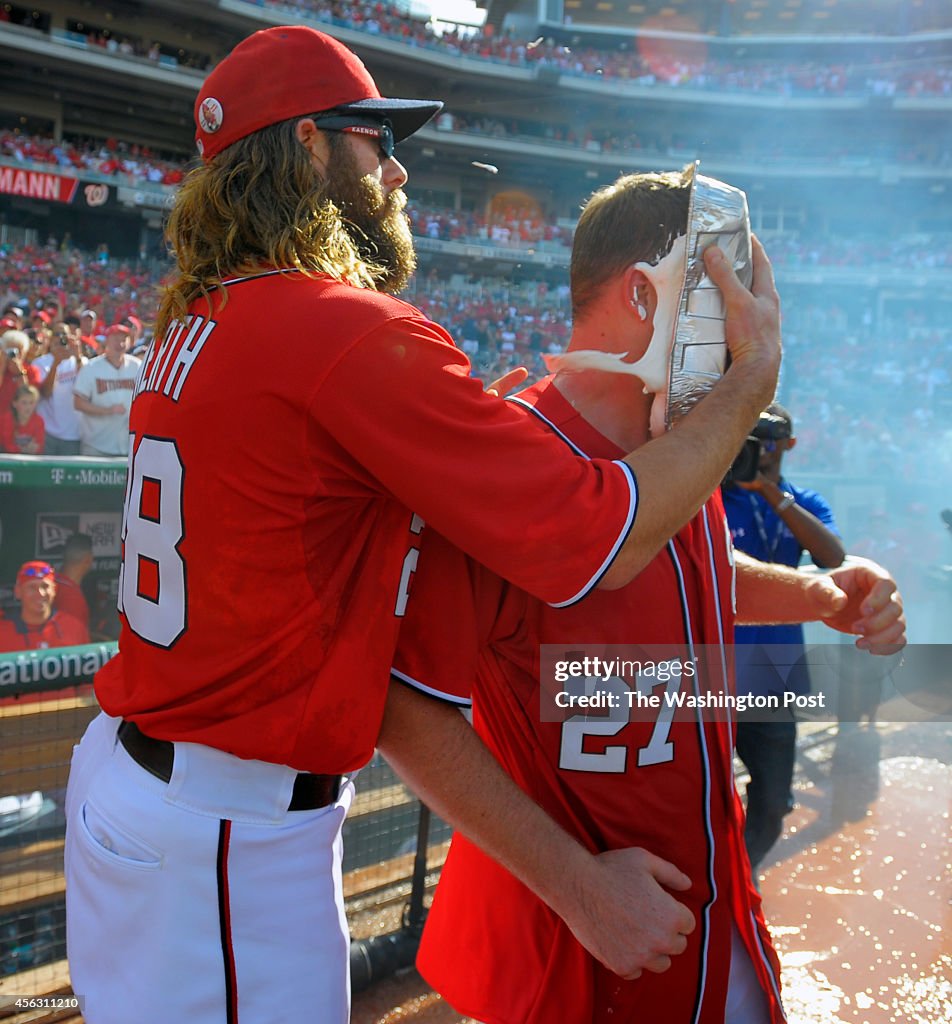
{"x":39,"y":341}
{"x":15,"y":371}
{"x":60,"y":367}
{"x":773,"y":521}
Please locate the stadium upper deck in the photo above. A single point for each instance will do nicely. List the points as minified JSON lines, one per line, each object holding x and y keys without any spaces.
{"x":731,"y":18}
{"x":848,"y":137}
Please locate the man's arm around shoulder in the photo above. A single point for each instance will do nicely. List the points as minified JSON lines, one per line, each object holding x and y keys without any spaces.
{"x":860,"y":598}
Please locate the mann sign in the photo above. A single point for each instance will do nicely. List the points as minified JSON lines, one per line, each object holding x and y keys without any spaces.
{"x":53,"y":188}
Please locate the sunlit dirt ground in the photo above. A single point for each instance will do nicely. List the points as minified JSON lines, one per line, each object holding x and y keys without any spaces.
{"x":860,"y":900}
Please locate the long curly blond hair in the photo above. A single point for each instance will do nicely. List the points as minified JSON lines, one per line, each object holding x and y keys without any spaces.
{"x":258,"y":205}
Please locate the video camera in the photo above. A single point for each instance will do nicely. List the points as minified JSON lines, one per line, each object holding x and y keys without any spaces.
{"x":745,"y":467}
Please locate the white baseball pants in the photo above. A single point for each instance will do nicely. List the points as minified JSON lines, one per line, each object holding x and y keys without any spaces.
{"x":200,"y":899}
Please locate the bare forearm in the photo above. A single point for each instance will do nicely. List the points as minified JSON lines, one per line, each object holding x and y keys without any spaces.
{"x":81,"y":404}
{"x":860,"y":598}
{"x":46,"y":385}
{"x":84,"y":405}
{"x":768,"y":593}
{"x":442,"y":759}
{"x":824,"y":546}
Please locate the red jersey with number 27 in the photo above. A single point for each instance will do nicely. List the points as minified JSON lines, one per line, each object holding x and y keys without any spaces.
{"x":286,"y":450}
{"x":495,"y":950}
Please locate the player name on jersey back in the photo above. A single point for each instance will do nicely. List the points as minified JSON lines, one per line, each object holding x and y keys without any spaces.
{"x":167,"y":364}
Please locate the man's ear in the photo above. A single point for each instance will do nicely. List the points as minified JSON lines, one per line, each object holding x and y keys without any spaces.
{"x":791,"y":443}
{"x":305,"y":131}
{"x":637,"y":292}
{"x":315,"y":142}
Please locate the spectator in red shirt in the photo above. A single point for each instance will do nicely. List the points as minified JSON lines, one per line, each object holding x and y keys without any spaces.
{"x":22,"y":431}
{"x":36,"y":625}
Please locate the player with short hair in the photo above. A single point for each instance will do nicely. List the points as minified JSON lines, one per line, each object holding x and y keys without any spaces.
{"x":78,"y":560}
{"x":615,"y":778}
{"x":271,"y":531}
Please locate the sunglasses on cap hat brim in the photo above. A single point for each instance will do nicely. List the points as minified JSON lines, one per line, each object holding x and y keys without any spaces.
{"x":376,"y":128}
{"x":35,"y":571}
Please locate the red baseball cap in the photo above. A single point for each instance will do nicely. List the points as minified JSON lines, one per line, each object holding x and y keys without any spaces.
{"x":118,"y":329}
{"x":291,"y":71}
{"x":33,"y":571}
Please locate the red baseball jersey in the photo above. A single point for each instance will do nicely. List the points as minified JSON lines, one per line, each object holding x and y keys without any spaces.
{"x":630,"y":779}
{"x":59,"y":630}
{"x":286,"y":450}
{"x":71,"y":599}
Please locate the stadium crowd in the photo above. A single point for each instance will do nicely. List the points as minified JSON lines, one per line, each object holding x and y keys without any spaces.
{"x":45,"y":291}
{"x":61,"y":281}
{"x":101,"y":37}
{"x":689,"y":66}
{"x":793,"y":149}
{"x":132,"y":46}
{"x":109,"y":157}
{"x":123,"y":163}
{"x":506,"y":225}
{"x":671,"y":66}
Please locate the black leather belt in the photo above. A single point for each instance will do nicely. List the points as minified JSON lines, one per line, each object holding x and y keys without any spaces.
{"x":157,"y":756}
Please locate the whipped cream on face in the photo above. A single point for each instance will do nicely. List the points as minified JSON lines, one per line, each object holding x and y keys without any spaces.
{"x":667,"y":278}
{"x":590,"y":359}
{"x":687,"y":352}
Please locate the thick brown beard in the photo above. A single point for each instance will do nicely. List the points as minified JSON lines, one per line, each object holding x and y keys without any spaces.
{"x":377,"y":225}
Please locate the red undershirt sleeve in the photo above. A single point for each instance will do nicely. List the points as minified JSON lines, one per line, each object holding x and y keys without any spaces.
{"x":441,"y":635}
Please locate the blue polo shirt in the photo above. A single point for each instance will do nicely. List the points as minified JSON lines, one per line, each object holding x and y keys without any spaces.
{"x":759,"y":532}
